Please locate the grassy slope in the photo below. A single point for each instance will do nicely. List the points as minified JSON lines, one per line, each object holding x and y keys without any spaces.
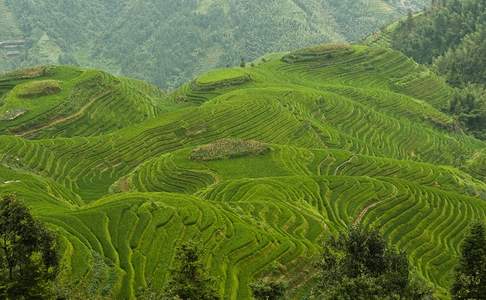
{"x":356,"y":135}
{"x":86,"y":102}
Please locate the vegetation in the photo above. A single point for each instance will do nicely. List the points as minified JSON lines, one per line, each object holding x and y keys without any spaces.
{"x":350,"y":135}
{"x":359,"y":265}
{"x":450,"y":36}
{"x":268,"y":289}
{"x":469,"y":105}
{"x":169,"y":43}
{"x":28,"y":253}
{"x":189,"y":279}
{"x":59,"y":100}
{"x":39,"y":88}
{"x":471,"y":271}
{"x":228,"y":148}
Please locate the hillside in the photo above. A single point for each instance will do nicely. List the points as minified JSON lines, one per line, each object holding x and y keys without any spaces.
{"x":450,"y":37}
{"x":169,"y":42}
{"x":259,"y":164}
{"x":431,"y":37}
{"x":64,"y":101}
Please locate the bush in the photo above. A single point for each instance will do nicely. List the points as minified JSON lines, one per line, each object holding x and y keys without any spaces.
{"x":268,"y":289}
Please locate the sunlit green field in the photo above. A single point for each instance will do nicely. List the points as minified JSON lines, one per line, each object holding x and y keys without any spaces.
{"x":354,"y":135}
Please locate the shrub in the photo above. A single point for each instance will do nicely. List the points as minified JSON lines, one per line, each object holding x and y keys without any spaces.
{"x":268,"y":289}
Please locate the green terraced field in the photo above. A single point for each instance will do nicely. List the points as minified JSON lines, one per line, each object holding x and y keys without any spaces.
{"x":351,"y":135}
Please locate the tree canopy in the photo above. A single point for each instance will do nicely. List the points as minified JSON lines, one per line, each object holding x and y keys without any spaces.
{"x":358,"y":264}
{"x":189,"y":279}
{"x":470,"y":279}
{"x":28,"y":254}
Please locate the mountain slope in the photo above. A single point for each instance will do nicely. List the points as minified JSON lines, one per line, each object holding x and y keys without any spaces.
{"x":449,"y":36}
{"x":63,"y":101}
{"x":432,"y":37}
{"x":169,"y":42}
{"x":260,"y":164}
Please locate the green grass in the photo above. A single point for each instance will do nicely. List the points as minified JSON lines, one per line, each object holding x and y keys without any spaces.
{"x":318,"y":139}
{"x":68,"y":102}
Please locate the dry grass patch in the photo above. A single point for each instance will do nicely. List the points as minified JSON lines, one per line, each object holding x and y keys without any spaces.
{"x":27,"y":73}
{"x":326,"y":51}
{"x":39,"y":88}
{"x":228,"y":148}
{"x":13,"y":114}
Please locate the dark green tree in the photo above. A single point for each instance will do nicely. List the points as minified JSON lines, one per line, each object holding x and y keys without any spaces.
{"x":410,"y":22}
{"x":470,"y":279}
{"x":359,"y":265}
{"x":242,"y":63}
{"x":189,"y":280}
{"x":28,"y":254}
{"x":469,"y":106}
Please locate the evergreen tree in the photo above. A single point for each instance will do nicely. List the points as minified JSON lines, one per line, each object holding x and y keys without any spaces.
{"x":470,"y":279}
{"x":410,"y":23}
{"x":28,"y":255}
{"x":242,"y":63}
{"x":359,"y":265}
{"x":189,"y":280}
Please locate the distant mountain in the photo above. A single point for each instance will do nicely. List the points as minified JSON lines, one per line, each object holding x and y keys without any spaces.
{"x":170,"y":41}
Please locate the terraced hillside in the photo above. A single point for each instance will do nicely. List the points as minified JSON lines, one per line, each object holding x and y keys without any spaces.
{"x":48,"y":102}
{"x":259,"y":164}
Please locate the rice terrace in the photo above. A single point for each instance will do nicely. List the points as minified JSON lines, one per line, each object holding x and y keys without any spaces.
{"x":258,"y":164}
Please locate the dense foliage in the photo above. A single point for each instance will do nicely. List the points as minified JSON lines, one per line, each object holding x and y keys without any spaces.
{"x":441,"y":28}
{"x":268,"y":289}
{"x":451,"y":36}
{"x":469,"y":105}
{"x":470,"y":281}
{"x":168,"y":42}
{"x":28,"y":254}
{"x":360,"y":265}
{"x":189,"y":278}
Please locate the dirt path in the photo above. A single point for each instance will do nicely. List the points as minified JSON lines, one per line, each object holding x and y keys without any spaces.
{"x":364,"y":212}
{"x":64,"y":119}
{"x":344,"y":164}
{"x":325,"y":160}
{"x":361,"y":215}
